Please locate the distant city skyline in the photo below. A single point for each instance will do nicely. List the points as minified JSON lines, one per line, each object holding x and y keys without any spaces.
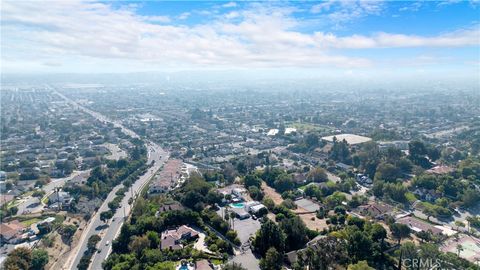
{"x":351,"y":38}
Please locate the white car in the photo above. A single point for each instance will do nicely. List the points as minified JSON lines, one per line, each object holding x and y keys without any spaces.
{"x":108,"y":243}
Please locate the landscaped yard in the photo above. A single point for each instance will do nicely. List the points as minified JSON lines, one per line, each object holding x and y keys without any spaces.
{"x":29,"y":222}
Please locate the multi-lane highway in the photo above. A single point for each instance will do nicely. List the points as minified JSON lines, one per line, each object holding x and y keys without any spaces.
{"x":109,"y":231}
{"x":160,"y":157}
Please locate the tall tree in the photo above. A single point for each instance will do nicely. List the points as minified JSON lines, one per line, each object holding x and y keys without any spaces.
{"x":39,"y":259}
{"x":272,"y":260}
{"x":296,"y":233}
{"x":328,"y":251}
{"x":269,"y":235}
{"x":400,"y":231}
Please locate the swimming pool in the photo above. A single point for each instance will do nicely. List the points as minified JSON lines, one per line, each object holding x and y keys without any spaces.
{"x":237,"y":205}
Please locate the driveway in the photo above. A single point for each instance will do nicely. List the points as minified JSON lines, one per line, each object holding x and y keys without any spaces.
{"x":200,"y":244}
{"x":245,"y":229}
{"x":247,"y":260}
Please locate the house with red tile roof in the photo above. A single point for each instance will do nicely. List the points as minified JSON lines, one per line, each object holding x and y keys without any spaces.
{"x":11,"y":232}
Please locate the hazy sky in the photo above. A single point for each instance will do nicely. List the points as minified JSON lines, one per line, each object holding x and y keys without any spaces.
{"x":338,"y":37}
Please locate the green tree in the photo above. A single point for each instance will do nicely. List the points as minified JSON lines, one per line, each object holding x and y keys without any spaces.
{"x":252,"y":179}
{"x":269,"y":235}
{"x":295,"y":231}
{"x":408,"y":252}
{"x":255,"y":193}
{"x":138,"y":244}
{"x":358,"y":245}
{"x":377,"y":232}
{"x":418,"y":152}
{"x":284,"y":183}
{"x":340,"y":151}
{"x":399,"y":231}
{"x":470,"y":197}
{"x":39,"y":259}
{"x":272,"y":260}
{"x":213,"y":197}
{"x":153,"y":238}
{"x":387,"y":172}
{"x":361,"y":265}
{"x":328,"y":251}
{"x":18,"y":259}
{"x":312,"y":140}
{"x":38,"y":193}
{"x":67,"y":232}
{"x":92,"y":241}
{"x":317,"y":175}
{"x":269,"y":203}
{"x":106,"y":215}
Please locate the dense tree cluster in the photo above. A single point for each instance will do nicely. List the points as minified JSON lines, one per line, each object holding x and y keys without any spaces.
{"x":103,"y":179}
{"x":23,"y":258}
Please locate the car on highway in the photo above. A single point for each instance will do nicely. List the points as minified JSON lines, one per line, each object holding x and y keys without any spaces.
{"x":107,"y":243}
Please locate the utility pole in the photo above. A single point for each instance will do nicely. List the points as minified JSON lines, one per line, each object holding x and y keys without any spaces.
{"x":57,"y":189}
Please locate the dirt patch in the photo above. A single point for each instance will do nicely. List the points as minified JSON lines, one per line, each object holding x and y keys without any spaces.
{"x":272,"y":194}
{"x":313,"y":223}
{"x":58,"y":251}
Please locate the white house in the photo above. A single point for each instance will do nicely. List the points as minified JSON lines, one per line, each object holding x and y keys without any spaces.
{"x":61,"y":197}
{"x":256,"y":208}
{"x":249,"y":205}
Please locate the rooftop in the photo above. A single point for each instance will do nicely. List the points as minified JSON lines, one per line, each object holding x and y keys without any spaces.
{"x":351,"y":139}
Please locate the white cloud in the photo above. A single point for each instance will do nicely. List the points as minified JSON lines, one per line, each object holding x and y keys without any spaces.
{"x":184,"y":16}
{"x":465,"y":37}
{"x":339,"y":12}
{"x":415,"y":6}
{"x":157,"y":19}
{"x":263,"y":36}
{"x":229,"y":5}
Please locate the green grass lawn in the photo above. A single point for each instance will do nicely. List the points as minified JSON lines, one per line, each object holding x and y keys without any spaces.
{"x":303,"y":187}
{"x":410,"y":197}
{"x":44,"y":200}
{"x":216,"y":261}
{"x":29,"y":222}
{"x":12,"y":204}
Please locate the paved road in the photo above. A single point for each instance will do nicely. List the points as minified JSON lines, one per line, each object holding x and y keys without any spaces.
{"x":160,"y":157}
{"x":95,"y":225}
{"x":33,"y":205}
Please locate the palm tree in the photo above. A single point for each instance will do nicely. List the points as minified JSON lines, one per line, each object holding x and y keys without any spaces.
{"x":232,"y":217}
{"x":459,"y":249}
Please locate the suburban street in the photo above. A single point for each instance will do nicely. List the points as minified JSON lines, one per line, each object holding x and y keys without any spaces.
{"x":95,"y":226}
{"x":32,"y":204}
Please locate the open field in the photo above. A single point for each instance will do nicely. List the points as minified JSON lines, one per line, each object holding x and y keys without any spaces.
{"x":272,"y":194}
{"x":59,"y":250}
